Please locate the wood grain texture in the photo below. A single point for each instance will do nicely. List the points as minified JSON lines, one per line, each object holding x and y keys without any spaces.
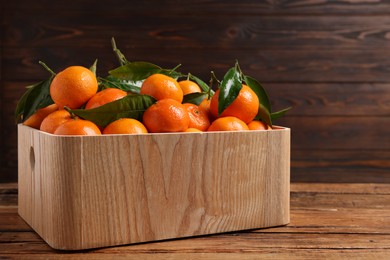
{"x":80,"y":193}
{"x":209,"y":7}
{"x":309,"y":66}
{"x":157,"y":32}
{"x":327,"y":59}
{"x":340,"y":221}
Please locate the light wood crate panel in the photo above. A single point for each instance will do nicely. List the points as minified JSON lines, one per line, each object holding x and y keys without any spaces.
{"x":94,"y":191}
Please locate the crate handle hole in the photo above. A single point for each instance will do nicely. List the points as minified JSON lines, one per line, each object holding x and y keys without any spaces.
{"x":32,"y":158}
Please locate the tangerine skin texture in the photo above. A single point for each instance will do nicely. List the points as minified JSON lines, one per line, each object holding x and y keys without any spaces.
{"x":73,"y":87}
{"x":189,"y":87}
{"x":198,"y":117}
{"x":125,"y":126}
{"x":105,"y":96}
{"x":166,"y":115}
{"x":161,"y":86}
{"x":258,"y":125}
{"x":36,"y":119}
{"x":228,"y":123}
{"x":77,"y":127}
{"x":54,"y":120}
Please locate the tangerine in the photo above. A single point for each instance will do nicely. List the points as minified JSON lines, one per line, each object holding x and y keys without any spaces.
{"x":258,"y":125}
{"x":55,"y":119}
{"x":77,"y":127}
{"x":161,"y":86}
{"x":36,"y":119}
{"x":105,"y":96}
{"x":198,"y":117}
{"x":244,"y":107}
{"x":229,"y":123}
{"x":188,"y":87}
{"x":125,"y":126}
{"x":205,"y":106}
{"x":193,"y":130}
{"x":166,"y":115}
{"x":73,"y":87}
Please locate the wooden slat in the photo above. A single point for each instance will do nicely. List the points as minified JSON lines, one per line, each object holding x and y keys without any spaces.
{"x":359,"y":165}
{"x":338,"y":132}
{"x":243,"y":243}
{"x":227,"y":32}
{"x":211,"y":7}
{"x":345,"y":188}
{"x":265,"y":65}
{"x":266,"y":253}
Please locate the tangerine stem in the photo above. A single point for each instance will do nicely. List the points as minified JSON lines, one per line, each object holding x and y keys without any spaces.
{"x":72,"y":115}
{"x":47,"y":68}
{"x":175,"y":68}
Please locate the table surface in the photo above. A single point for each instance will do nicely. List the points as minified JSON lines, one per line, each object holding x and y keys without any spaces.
{"x":327,"y":221}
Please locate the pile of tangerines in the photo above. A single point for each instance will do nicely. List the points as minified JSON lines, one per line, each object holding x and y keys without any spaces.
{"x":140,"y":97}
{"x":77,"y":87}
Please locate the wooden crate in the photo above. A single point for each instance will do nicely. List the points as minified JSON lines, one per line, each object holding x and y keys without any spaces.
{"x":95,"y":191}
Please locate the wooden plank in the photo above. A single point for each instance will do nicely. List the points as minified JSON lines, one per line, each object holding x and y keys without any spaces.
{"x":313,"y":133}
{"x":266,"y":65}
{"x":228,"y":31}
{"x":265,"y":253}
{"x":332,"y":202}
{"x":359,"y":165}
{"x":229,"y":243}
{"x":213,"y":7}
{"x":344,"y":188}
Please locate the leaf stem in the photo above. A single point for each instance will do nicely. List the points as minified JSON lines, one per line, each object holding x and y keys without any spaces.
{"x":239,"y":70}
{"x":72,"y":115}
{"x":175,"y":68}
{"x":47,"y":68}
{"x":122,"y":59}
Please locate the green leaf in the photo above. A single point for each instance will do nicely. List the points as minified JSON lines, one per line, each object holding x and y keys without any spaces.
{"x":131,"y":106}
{"x":194,"y":98}
{"x":171,"y":73}
{"x":201,"y":84}
{"x":126,"y":85}
{"x":259,"y":90}
{"x":20,"y":107}
{"x":93,"y":67}
{"x":264,"y":113}
{"x":135,"y":71}
{"x":229,"y":89}
{"x":37,"y":96}
{"x":279,"y":114}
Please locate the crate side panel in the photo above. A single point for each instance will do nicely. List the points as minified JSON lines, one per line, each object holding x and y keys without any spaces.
{"x":49,"y":186}
{"x":153,"y":187}
{"x":60,"y":163}
{"x":25,"y":198}
{"x":144,"y":189}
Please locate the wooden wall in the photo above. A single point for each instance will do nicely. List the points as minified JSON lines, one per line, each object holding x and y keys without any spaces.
{"x":330,"y":60}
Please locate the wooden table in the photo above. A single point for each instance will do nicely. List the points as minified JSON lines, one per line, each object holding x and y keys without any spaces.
{"x":327,"y":221}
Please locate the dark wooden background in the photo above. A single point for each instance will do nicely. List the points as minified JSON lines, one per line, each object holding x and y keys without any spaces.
{"x":330,"y":60}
